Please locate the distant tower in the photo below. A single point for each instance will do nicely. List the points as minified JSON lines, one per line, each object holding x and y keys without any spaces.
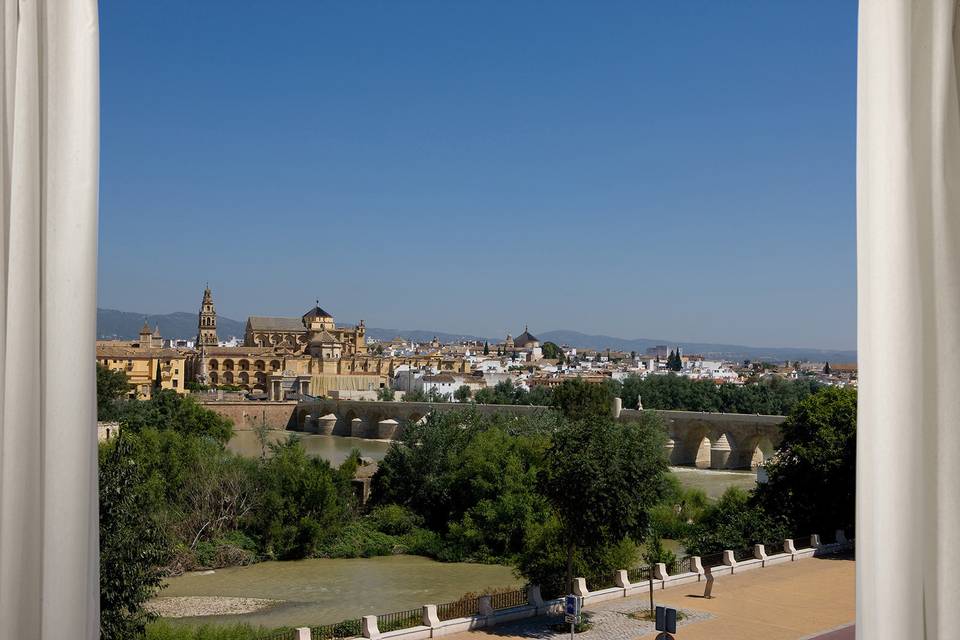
{"x":207,"y":325}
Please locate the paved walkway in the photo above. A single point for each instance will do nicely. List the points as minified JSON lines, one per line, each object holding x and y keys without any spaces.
{"x":784,"y":602}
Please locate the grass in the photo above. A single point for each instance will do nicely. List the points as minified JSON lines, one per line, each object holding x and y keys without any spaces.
{"x":651,"y":616}
{"x":164,"y":630}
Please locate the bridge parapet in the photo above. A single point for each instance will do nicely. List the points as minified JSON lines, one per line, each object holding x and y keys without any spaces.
{"x":706,"y":440}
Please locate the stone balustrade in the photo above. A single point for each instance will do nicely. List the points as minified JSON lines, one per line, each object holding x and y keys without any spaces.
{"x":487,"y":616}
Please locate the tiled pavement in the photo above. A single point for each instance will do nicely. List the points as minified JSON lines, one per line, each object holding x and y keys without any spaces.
{"x":784,"y":602}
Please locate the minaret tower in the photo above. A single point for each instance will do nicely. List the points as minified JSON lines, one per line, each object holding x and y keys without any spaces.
{"x":207,"y":324}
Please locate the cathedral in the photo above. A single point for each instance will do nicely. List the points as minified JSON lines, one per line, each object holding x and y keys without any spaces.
{"x":306,"y":355}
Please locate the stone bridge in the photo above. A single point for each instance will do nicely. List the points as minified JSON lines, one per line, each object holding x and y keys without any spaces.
{"x":705,"y":440}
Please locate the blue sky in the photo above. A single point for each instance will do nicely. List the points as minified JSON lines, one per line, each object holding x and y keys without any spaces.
{"x":666,"y":170}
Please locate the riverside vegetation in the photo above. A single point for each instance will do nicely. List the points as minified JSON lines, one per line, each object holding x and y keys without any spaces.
{"x":568,"y":492}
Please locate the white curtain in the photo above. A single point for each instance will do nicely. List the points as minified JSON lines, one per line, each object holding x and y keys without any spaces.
{"x":48,"y":248}
{"x":908,"y":257}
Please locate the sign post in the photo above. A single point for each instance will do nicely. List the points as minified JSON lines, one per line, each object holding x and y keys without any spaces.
{"x":666,"y":618}
{"x":572,"y":612}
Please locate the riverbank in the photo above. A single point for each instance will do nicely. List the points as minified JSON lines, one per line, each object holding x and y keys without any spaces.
{"x":321,"y":590}
{"x":195,"y":606}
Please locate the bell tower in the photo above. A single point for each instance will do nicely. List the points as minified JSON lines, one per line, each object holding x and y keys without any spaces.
{"x":207,"y":323}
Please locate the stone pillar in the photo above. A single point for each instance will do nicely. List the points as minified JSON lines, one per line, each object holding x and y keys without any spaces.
{"x":369,"y":627}
{"x":357,"y":428}
{"x":534,"y":597}
{"x":621,"y":580}
{"x":309,"y":424}
{"x":301,"y":633}
{"x":788,"y":546}
{"x":387,"y":429}
{"x":719,"y":452}
{"x":696,"y":565}
{"x":617,"y":407}
{"x":668,"y":449}
{"x":430,"y":617}
{"x":660,"y":571}
{"x":580,"y":587}
{"x":728,"y":558}
{"x":759,"y":552}
{"x":815,"y":540}
{"x":485,"y":606}
{"x":326,"y":424}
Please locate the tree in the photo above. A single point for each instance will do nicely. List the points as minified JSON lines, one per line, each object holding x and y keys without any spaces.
{"x":385,"y":394}
{"x":826,"y":368}
{"x":578,"y":399}
{"x":111,"y":387}
{"x":168,"y":409}
{"x":486,"y":348}
{"x":552,"y":352}
{"x":416,"y":395}
{"x":812,"y":477}
{"x":132,"y":543}
{"x":462,"y":394}
{"x":602,"y":477}
{"x":734,"y":523}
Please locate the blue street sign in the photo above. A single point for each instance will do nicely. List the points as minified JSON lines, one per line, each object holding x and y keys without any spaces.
{"x":666,"y":619}
{"x":572,"y":605}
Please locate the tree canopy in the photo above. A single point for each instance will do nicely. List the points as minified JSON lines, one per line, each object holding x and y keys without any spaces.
{"x":112,"y":386}
{"x":812,"y":477}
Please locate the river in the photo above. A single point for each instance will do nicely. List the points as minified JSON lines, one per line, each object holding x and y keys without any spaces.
{"x":319,"y":591}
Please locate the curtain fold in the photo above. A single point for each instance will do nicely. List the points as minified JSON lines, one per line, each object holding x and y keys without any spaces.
{"x":49,"y":564}
{"x":908,"y":261}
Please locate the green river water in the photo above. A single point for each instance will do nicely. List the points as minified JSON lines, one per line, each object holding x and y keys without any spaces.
{"x":319,"y":591}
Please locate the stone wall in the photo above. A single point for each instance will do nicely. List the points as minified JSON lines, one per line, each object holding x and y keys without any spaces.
{"x":247,"y":414}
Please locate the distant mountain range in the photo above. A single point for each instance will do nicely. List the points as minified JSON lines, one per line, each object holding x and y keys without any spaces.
{"x":124,"y":325}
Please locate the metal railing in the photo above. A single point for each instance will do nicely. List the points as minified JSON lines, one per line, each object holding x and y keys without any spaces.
{"x":802,"y":542}
{"x":462,"y":608}
{"x":639,"y":574}
{"x":344,"y":629}
{"x":679,"y":565}
{"x":602,"y":581}
{"x":551,"y":590}
{"x":743,"y":553}
{"x":508,"y":599}
{"x":400,"y":620}
{"x":712,"y":560}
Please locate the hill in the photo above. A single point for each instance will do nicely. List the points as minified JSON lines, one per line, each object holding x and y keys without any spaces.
{"x":125,"y":325}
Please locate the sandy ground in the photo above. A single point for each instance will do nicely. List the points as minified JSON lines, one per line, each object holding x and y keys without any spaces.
{"x":186,"y":606}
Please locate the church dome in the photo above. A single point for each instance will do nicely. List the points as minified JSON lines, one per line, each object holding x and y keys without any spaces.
{"x":316,"y":312}
{"x":526,"y":339}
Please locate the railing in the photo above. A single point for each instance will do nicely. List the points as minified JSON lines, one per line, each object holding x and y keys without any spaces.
{"x":712,"y":560}
{"x":743,"y":553}
{"x":508,"y":599}
{"x":639,"y":574}
{"x":400,"y":620}
{"x":551,"y":590}
{"x":679,"y":565}
{"x":603,"y":581}
{"x":344,"y":629}
{"x":462,"y":608}
{"x":285,"y":634}
{"x":803,"y":542}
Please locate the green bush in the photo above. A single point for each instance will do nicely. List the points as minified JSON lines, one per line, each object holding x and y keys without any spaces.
{"x":394,"y":520}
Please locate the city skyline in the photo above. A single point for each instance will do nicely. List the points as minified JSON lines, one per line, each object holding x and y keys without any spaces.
{"x":644,"y":172}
